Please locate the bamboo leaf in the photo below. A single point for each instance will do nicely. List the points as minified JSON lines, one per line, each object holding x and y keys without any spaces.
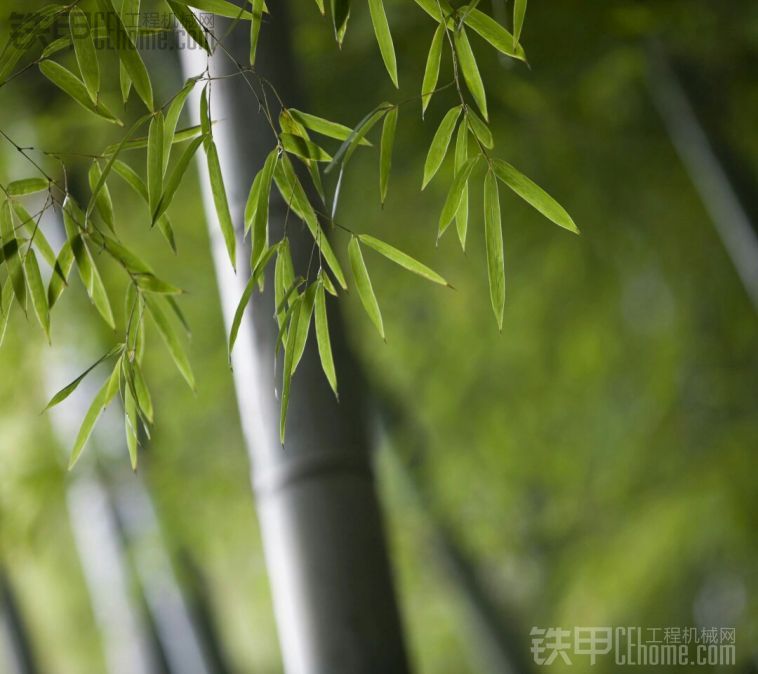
{"x":363,"y":284}
{"x":402,"y":259}
{"x":69,"y":388}
{"x":84,"y":48}
{"x":260,"y":218}
{"x":171,"y":339}
{"x":101,"y":401}
{"x":340,"y":15}
{"x":151,"y":283}
{"x":384,"y":38}
{"x":322,"y":338}
{"x":175,"y":179}
{"x":155,"y":162}
{"x":455,"y":195}
{"x":12,"y":254}
{"x":23,"y":37}
{"x":385,"y":151}
{"x":493,"y":237}
{"x":131,"y":425}
{"x":190,"y":23}
{"x":144,"y":401}
{"x":221,"y":202}
{"x":61,"y":271}
{"x":461,"y":155}
{"x":354,"y":139}
{"x":70,"y":84}
{"x":324,"y":126}
{"x":31,"y":225}
{"x":480,"y":129}
{"x":37,"y":291}
{"x":494,"y":33}
{"x":432,"y":69}
{"x":141,"y":142}
{"x":302,"y":147}
{"x":127,"y":53}
{"x":103,"y":201}
{"x":6,"y":304}
{"x":91,"y":279}
{"x":255,"y":28}
{"x":432,"y":8}
{"x":20,"y":188}
{"x":287,"y":368}
{"x":440,"y":143}
{"x":470,"y":70}
{"x":519,"y":10}
{"x":173,"y":112}
{"x":304,"y":324}
{"x":534,"y":195}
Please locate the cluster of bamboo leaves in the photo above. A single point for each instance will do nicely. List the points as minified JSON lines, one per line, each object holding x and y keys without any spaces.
{"x":298,"y":151}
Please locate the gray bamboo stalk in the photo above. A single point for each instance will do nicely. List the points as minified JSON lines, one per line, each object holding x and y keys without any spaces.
{"x":321,"y":525}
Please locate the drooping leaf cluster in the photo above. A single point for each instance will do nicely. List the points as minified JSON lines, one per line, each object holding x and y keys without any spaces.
{"x":300,"y":142}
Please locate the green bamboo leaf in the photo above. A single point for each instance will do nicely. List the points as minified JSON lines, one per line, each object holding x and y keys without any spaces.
{"x":221,"y":202}
{"x":432,"y":8}
{"x":155,"y":162}
{"x":56,"y":46}
{"x":69,"y":388}
{"x":219,"y":8}
{"x":384,"y":38}
{"x":20,"y":188}
{"x":188,"y":21}
{"x":141,"y":142}
{"x":131,"y":425}
{"x":294,"y":196}
{"x":320,"y":5}
{"x":519,"y":10}
{"x":287,"y":368}
{"x":322,"y":337}
{"x":493,"y":237}
{"x":101,"y":401}
{"x":455,"y":195}
{"x":247,"y":294}
{"x":127,"y":53}
{"x":74,"y":87}
{"x":91,"y":279}
{"x":480,"y":129}
{"x":461,"y":155}
{"x":304,"y":324}
{"x":61,"y":271}
{"x":12,"y":254}
{"x":37,"y":291}
{"x":385,"y":151}
{"x":259,"y":240}
{"x":151,"y":283}
{"x":494,"y":33}
{"x":175,"y":179}
{"x":302,"y":147}
{"x":103,"y":201}
{"x":171,"y":339}
{"x":534,"y":195}
{"x":402,"y":259}
{"x":347,"y":148}
{"x":205,"y":115}
{"x":284,"y":280}
{"x":173,"y":112}
{"x":432,"y":70}
{"x":440,"y":143}
{"x":32,"y":226}
{"x":324,"y":126}
{"x":84,"y":48}
{"x":470,"y":70}
{"x":340,"y":15}
{"x":125,"y":257}
{"x":144,"y":400}
{"x":363,"y":284}
{"x":129,"y":13}
{"x":255,"y":28}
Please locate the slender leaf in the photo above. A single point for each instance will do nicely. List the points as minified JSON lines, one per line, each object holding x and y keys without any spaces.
{"x":74,"y":87}
{"x":219,"y":8}
{"x":324,"y":126}
{"x":480,"y":129}
{"x":84,"y":48}
{"x":384,"y":38}
{"x":20,"y":188}
{"x":519,"y":10}
{"x":470,"y":70}
{"x":131,"y":425}
{"x":287,"y":368}
{"x":190,"y":23}
{"x":22,"y":38}
{"x":255,"y":28}
{"x":37,"y":291}
{"x":221,"y":202}
{"x":440,"y":143}
{"x":385,"y":151}
{"x":432,"y":69}
{"x":493,"y":238}
{"x":461,"y":155}
{"x":61,"y":271}
{"x":175,"y":179}
{"x":171,"y":339}
{"x":304,"y":324}
{"x":12,"y":255}
{"x":155,"y":162}
{"x":173,"y":112}
{"x":103,"y":201}
{"x":32,"y":226}
{"x":340,"y":15}
{"x":302,"y":147}
{"x":402,"y":259}
{"x":455,"y":195}
{"x":363,"y":285}
{"x":494,"y":33}
{"x":322,"y":338}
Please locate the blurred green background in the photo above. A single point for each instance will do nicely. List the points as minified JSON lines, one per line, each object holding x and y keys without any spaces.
{"x":595,"y":462}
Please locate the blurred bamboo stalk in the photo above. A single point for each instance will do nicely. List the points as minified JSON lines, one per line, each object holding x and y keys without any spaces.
{"x":17,"y":652}
{"x":704,"y":168}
